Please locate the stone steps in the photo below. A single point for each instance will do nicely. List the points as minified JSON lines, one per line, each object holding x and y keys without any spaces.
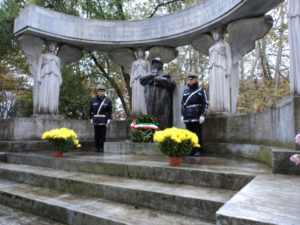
{"x":198,"y":172}
{"x":80,"y":210}
{"x":13,"y":216}
{"x":182,"y":199}
{"x":89,"y":188}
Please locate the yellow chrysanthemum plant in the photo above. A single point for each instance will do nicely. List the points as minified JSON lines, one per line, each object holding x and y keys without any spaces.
{"x":62,"y":139}
{"x":175,"y":142}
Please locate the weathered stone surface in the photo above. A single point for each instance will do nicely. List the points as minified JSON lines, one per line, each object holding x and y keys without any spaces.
{"x":275,"y":127}
{"x":24,"y":146}
{"x":177,"y":97}
{"x":282,"y":163}
{"x":131,"y":148}
{"x":17,"y":217}
{"x":87,"y":173}
{"x":172,"y":30}
{"x":167,"y":54}
{"x":78,"y":210}
{"x":205,"y":171}
{"x":293,"y":11}
{"x":31,"y":129}
{"x":181,"y":199}
{"x":268,"y":199}
{"x":257,"y":152}
{"x":124,"y":57}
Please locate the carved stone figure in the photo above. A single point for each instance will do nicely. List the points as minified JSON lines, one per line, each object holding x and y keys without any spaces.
{"x":159,"y":87}
{"x":294,"y":36}
{"x":45,"y":69}
{"x":219,"y":73}
{"x":49,"y":80}
{"x":139,"y":68}
{"x":242,"y":37}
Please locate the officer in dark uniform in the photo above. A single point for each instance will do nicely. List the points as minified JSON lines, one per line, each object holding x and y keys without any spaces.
{"x":193,"y":106}
{"x":100,"y":115}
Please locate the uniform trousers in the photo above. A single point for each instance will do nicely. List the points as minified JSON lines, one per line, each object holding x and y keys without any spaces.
{"x":100,"y":133}
{"x":196,"y":128}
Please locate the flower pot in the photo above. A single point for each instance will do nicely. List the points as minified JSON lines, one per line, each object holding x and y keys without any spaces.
{"x":175,"y":161}
{"x":57,"y":154}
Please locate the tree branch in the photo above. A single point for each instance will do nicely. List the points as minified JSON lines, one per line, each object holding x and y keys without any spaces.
{"x":162,"y":4}
{"x":127,"y":81}
{"x":112,"y":83}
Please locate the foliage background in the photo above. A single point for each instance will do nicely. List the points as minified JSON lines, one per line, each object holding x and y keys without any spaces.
{"x":264,"y":72}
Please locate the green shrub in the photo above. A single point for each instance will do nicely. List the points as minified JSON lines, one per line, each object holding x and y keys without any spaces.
{"x":147,"y":119}
{"x":142,"y":135}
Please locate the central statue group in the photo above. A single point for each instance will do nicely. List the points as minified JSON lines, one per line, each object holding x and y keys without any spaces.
{"x":156,"y":89}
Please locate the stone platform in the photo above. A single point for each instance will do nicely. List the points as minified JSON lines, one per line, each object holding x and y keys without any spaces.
{"x":268,"y":199}
{"x":90,"y":188}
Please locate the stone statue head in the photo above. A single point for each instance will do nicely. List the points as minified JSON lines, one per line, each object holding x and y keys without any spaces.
{"x":140,"y":53}
{"x":217,"y":33}
{"x":157,"y":64}
{"x":51,"y":46}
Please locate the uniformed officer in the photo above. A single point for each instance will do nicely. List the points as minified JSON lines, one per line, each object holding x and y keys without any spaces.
{"x":100,"y":115}
{"x":193,"y":106}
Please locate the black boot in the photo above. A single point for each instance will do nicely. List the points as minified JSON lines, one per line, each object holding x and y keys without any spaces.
{"x":97,"y":149}
{"x":197,"y":153}
{"x":192,"y":152}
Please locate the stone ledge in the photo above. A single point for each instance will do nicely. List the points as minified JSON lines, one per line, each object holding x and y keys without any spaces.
{"x":268,"y":199}
{"x":202,"y":171}
{"x":260,"y":153}
{"x":282,"y":163}
{"x":131,"y":148}
{"x":31,"y":129}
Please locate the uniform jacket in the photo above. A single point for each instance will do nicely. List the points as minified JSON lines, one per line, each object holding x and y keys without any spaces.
{"x":104,"y":113}
{"x":196,"y":106}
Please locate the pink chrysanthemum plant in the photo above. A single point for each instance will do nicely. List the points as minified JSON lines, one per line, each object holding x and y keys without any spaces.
{"x":296,"y":157}
{"x":297,"y":139}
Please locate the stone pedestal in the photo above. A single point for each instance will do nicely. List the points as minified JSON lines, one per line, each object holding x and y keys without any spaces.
{"x":31,"y":129}
{"x":24,"y":134}
{"x":281,"y":162}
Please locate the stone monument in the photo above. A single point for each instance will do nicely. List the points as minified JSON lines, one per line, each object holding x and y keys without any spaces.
{"x":139,"y":68}
{"x":219,"y":73}
{"x":159,"y":87}
{"x":242,"y":37}
{"x":46,"y":71}
{"x":160,"y":35}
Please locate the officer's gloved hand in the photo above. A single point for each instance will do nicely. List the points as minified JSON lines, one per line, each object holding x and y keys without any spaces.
{"x":201,"y":119}
{"x":181,"y":118}
{"x":91,"y":121}
{"x":108,"y":122}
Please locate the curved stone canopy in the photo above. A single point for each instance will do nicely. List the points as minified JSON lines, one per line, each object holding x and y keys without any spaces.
{"x":172,"y":30}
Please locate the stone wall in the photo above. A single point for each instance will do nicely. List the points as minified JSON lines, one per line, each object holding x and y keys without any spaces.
{"x":31,"y":129}
{"x":276,"y":127}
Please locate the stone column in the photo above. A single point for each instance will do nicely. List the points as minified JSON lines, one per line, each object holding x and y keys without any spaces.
{"x":294,"y":37}
{"x":177,"y":96}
